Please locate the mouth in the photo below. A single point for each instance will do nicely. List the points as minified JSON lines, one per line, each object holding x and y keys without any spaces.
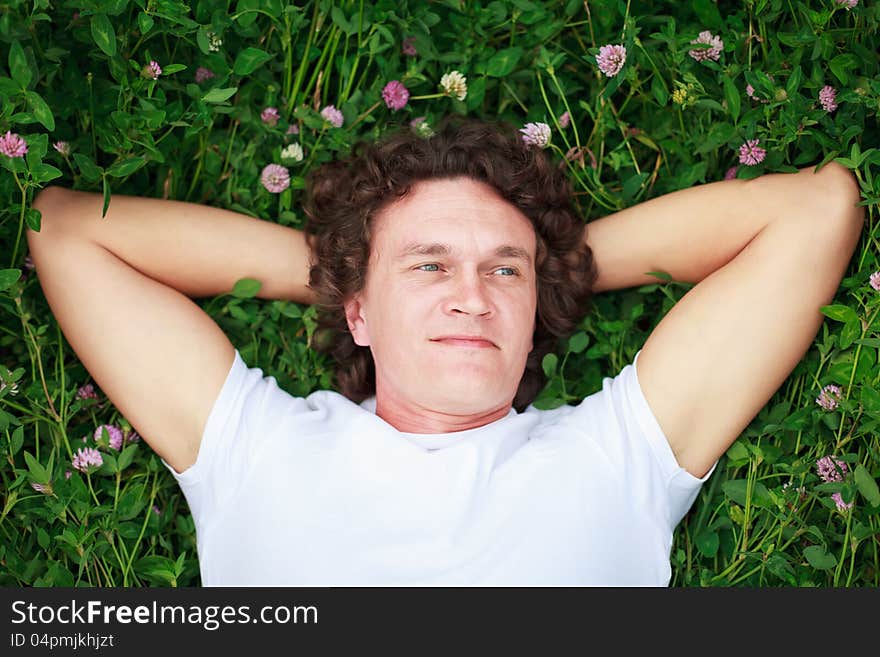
{"x":467,"y":341}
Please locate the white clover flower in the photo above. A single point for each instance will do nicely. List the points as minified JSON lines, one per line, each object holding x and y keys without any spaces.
{"x":536,"y":134}
{"x":214,"y":42}
{"x":454,"y":84}
{"x":292,"y":152}
{"x":421,"y":127}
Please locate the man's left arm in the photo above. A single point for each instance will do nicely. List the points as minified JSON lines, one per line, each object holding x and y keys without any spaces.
{"x":693,"y":232}
{"x":765,"y":255}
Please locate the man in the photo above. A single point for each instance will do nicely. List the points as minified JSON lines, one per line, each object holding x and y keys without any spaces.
{"x":439,"y":269}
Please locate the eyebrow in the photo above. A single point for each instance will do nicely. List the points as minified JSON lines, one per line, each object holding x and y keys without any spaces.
{"x":438,"y":249}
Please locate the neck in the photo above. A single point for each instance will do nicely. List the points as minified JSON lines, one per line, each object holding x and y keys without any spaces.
{"x":413,"y":418}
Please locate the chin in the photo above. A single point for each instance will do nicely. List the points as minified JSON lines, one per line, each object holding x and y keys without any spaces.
{"x":468,"y":395}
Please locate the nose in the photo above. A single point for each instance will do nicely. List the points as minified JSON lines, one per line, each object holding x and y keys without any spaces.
{"x":469,"y":295}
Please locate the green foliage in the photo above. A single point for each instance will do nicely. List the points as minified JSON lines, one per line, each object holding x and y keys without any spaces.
{"x":76,"y":72}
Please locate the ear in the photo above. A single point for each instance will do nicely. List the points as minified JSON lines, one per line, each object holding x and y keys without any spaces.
{"x":357,"y":322}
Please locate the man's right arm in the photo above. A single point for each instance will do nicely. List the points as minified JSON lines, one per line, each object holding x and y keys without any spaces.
{"x":118,"y":288}
{"x":198,"y":250}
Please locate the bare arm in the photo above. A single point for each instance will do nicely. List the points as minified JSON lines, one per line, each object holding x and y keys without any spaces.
{"x":118,"y":288}
{"x":693,"y":232}
{"x":196,"y":249}
{"x":766,"y":255}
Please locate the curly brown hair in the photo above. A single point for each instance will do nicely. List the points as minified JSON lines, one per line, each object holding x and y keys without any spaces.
{"x":342,"y":197}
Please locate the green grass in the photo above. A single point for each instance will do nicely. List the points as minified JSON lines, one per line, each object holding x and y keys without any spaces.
{"x":665,"y":122}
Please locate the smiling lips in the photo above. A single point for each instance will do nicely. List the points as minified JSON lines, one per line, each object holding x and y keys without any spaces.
{"x":471,"y":341}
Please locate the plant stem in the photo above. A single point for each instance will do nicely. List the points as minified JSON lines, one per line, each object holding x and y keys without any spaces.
{"x":366,"y":114}
{"x":127,"y":567}
{"x":846,"y":545}
{"x":23,"y":189}
{"x":292,"y":98}
{"x":92,"y":490}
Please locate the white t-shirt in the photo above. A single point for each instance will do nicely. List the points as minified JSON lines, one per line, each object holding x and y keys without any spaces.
{"x":320,"y":491}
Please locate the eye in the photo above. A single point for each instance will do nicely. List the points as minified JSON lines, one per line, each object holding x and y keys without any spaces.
{"x":430,"y":264}
{"x":513,"y":271}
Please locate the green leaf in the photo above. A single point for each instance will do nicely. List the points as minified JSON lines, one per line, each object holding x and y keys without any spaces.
{"x":103,"y":34}
{"x":108,"y":464}
{"x":502,"y":63}
{"x":38,"y":472}
{"x":106,"y":197}
{"x":839,"y":313}
{"x":731,"y":94}
{"x":156,"y":567}
{"x":173,"y":68}
{"x":738,"y":452}
{"x":735,"y":489}
{"x":761,"y":496}
{"x":339,"y":19}
{"x":58,"y":575}
{"x":870,"y":399}
{"x":245,"y":10}
{"x":128,"y":529}
{"x":18,"y":65}
{"x":17,"y":440}
{"x":719,"y":134}
{"x":133,"y":501}
{"x":290,"y":309}
{"x":794,"y":81}
{"x":779,"y":566}
{"x":613,"y":83}
{"x":851,"y":330}
{"x":549,"y":364}
{"x":658,"y":88}
{"x":476,"y":93}
{"x":633,"y":184}
{"x":145,"y":22}
{"x":126,"y":167}
{"x":860,"y":532}
{"x":841,"y":65}
{"x":660,"y":274}
{"x":240,"y":314}
{"x":245,"y":288}
{"x":126,"y":456}
{"x":202,"y":41}
{"x":87,"y":167}
{"x":45,"y":172}
{"x":249,"y":60}
{"x":819,"y":557}
{"x":866,"y":485}
{"x":219,"y":95}
{"x":8,"y":277}
{"x":708,"y":13}
{"x":578,"y":342}
{"x":40,"y":109}
{"x":707,"y":543}
{"x":37,"y":147}
{"x":8,"y":87}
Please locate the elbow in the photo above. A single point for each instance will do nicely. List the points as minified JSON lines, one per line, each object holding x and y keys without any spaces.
{"x":840,"y":195}
{"x":48,"y":198}
{"x":50,"y":202}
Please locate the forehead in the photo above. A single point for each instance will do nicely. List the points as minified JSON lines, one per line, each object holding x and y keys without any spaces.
{"x":456,"y":211}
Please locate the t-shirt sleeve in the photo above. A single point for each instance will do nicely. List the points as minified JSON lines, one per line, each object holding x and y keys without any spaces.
{"x":238,"y":424}
{"x":622,"y":425}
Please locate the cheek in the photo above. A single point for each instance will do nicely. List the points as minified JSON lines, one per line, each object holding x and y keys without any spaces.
{"x":398,"y":316}
{"x":522,"y":307}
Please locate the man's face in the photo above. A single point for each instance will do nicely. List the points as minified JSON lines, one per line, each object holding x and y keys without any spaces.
{"x":448,"y":308}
